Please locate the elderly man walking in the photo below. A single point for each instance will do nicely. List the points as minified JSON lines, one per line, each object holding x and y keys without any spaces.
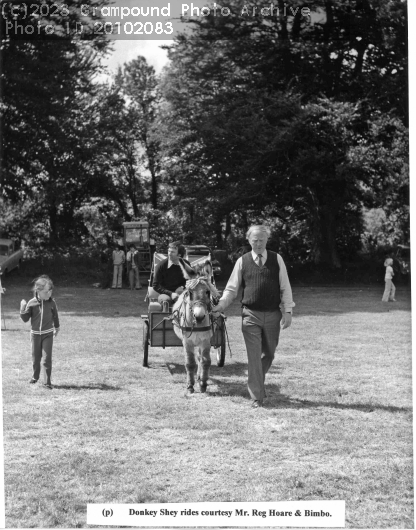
{"x":266,"y":305}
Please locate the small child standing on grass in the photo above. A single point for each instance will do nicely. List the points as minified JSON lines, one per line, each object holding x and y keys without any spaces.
{"x":43,"y":314}
{"x":390,"y":289}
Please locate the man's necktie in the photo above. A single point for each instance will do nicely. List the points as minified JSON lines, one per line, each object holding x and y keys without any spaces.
{"x":260,"y":261}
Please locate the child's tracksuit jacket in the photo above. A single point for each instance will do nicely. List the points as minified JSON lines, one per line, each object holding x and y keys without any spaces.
{"x":44,"y":319}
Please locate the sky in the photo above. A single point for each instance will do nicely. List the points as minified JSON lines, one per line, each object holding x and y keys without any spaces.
{"x":127,"y":50}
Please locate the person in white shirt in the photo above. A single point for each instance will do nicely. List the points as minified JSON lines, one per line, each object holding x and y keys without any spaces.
{"x":132,"y":260}
{"x":266,"y":306}
{"x":390,"y":289}
{"x":118,"y":261}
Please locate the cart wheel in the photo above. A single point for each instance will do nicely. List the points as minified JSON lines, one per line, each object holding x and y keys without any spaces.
{"x":145,"y":343}
{"x":221,"y":349}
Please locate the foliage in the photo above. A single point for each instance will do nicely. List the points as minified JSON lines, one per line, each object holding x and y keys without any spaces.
{"x":137,"y":82}
{"x":263,"y":132}
{"x":382,"y":157}
{"x":47,"y":87}
{"x":297,"y":121}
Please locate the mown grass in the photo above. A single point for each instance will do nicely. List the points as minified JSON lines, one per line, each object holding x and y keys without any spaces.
{"x":338,"y":424}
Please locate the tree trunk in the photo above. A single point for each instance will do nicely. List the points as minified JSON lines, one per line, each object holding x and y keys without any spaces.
{"x":227,"y":226}
{"x":132,"y":179}
{"x":244,"y":222}
{"x":53,"y":221}
{"x":325,"y":208}
{"x":218,"y":232}
{"x":283,"y":33}
{"x":154,"y":183}
{"x":122,"y":207}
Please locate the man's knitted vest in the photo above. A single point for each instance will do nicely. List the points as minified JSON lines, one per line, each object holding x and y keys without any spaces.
{"x":261,"y":286}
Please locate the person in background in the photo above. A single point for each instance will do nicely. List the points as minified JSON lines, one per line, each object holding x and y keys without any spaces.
{"x":169,"y":280}
{"x":132,"y":259}
{"x":390,"y":289}
{"x":118,"y":262}
{"x":42,"y":311}
{"x":266,"y":306}
{"x":152,"y":246}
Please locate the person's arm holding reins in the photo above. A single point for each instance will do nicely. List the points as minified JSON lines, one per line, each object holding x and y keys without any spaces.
{"x":231,"y":290}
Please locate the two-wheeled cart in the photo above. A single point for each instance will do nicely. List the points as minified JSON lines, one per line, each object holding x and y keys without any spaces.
{"x":158,"y":326}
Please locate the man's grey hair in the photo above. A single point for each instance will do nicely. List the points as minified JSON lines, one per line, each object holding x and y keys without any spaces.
{"x":257,"y":228}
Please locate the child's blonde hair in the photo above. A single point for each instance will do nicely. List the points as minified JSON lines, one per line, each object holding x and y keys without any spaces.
{"x":389,"y":261}
{"x":40,"y":283}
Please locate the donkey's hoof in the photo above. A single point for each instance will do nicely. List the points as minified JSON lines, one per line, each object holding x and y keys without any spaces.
{"x":203,"y":387}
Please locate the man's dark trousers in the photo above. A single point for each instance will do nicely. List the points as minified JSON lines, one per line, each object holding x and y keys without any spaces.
{"x":42,"y":344}
{"x":261,"y":331}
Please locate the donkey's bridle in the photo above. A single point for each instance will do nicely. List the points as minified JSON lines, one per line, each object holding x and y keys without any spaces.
{"x":192,"y":304}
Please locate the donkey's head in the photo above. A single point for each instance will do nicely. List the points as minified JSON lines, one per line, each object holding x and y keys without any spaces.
{"x":203,"y":269}
{"x":200,"y":288}
{"x":199,"y":298}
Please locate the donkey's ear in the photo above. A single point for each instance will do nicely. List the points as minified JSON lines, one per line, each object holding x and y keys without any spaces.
{"x":187,"y":271}
{"x":208,"y":267}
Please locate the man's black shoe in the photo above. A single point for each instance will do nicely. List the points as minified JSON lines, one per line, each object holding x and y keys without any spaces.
{"x":33,"y":381}
{"x":257,"y":403}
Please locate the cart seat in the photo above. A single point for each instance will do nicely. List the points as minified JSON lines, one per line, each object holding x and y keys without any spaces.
{"x":151,"y":293}
{"x":155,"y":306}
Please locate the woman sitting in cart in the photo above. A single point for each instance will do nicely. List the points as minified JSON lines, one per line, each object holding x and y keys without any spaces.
{"x":169,"y":280}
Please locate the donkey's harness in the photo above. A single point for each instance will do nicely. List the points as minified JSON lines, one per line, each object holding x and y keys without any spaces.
{"x":176,"y":318}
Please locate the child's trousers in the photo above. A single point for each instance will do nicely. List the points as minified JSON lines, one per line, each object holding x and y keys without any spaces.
{"x":42,"y":348}
{"x":389,"y":291}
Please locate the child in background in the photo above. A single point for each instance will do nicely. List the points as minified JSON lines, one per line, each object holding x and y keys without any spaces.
{"x":390,"y":289}
{"x":43,"y":314}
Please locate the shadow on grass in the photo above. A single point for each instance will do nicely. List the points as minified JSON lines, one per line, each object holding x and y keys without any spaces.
{"x":231,"y":370}
{"x":276,"y":400}
{"x":283,"y":401}
{"x":87,"y":387}
{"x":230,"y":387}
{"x":175,"y":369}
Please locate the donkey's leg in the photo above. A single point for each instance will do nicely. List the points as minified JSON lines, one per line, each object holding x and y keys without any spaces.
{"x":204,"y":366}
{"x":198,"y":360}
{"x":190,"y":365}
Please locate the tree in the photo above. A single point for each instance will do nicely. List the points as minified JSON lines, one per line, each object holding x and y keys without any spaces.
{"x":382,"y":161}
{"x":47,"y":88}
{"x":242,"y":91}
{"x":137,"y":82}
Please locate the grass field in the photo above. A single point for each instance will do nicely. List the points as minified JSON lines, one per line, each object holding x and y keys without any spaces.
{"x":338,"y":423}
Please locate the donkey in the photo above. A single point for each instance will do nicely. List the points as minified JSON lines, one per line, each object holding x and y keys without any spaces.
{"x":192,"y":324}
